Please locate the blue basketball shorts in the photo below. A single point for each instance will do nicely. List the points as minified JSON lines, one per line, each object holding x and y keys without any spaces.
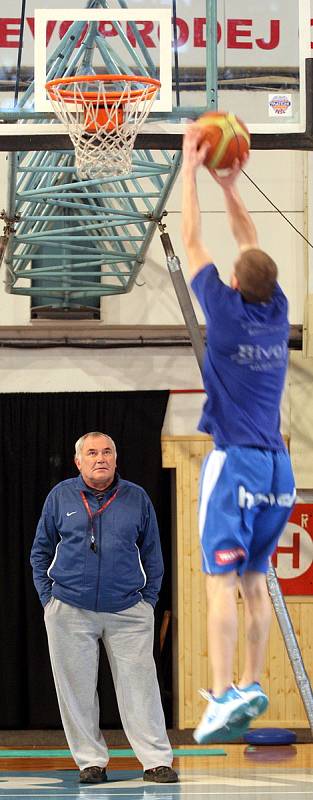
{"x":246,"y":497}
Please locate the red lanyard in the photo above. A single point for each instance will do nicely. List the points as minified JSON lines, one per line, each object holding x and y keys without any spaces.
{"x":94,"y":514}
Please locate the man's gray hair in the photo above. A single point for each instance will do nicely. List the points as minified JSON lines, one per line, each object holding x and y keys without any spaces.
{"x":80,"y":441}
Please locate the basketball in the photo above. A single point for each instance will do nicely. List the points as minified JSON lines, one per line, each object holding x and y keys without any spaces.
{"x":228,"y":136}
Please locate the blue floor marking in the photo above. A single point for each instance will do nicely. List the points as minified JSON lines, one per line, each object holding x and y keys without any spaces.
{"x":120,"y":752}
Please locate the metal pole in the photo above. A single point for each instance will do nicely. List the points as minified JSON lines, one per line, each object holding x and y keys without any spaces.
{"x":11,"y":202}
{"x":176,"y":60}
{"x":291,"y":643}
{"x":211,"y":54}
{"x":183,"y":296}
{"x":19,"y":56}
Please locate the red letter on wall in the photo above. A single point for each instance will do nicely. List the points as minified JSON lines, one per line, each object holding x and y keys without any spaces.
{"x":7,"y":31}
{"x":199,"y":38}
{"x":147,"y":28}
{"x":50,"y":28}
{"x":274,"y":37}
{"x":106,"y":29}
{"x":182,"y":32}
{"x":234,"y":31}
{"x":294,"y":551}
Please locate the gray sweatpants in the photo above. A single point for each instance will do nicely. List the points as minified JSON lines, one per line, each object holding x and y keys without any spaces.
{"x":73,"y":635}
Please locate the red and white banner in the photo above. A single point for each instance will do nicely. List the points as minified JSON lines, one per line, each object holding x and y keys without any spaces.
{"x":248,"y":34}
{"x":293,"y":558}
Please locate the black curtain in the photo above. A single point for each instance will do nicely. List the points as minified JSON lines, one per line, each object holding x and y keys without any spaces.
{"x":37,"y":436}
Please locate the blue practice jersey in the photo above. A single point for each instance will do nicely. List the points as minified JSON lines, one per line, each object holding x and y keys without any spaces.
{"x":245,"y":363}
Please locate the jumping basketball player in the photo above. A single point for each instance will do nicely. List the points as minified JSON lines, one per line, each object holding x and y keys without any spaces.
{"x":247,"y":486}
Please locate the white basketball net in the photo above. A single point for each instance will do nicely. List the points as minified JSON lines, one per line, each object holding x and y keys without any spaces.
{"x":103,"y":148}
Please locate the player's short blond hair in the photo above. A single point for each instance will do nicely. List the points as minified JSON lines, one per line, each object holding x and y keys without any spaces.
{"x":257,"y":275}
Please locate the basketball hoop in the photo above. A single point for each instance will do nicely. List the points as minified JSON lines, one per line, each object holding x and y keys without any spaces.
{"x":103,"y":121}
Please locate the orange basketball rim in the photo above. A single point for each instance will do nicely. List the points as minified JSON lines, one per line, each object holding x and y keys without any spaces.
{"x":103,"y":108}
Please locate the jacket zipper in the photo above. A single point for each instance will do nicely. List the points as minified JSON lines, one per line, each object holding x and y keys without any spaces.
{"x":98,"y":554}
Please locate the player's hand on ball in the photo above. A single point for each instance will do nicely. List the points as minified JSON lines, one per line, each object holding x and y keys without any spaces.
{"x":227,"y":178}
{"x":195,"y":149}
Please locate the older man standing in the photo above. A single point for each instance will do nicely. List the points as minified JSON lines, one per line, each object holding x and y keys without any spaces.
{"x":98,"y":568}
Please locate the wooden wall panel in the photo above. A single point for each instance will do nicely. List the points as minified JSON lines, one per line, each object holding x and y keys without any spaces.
{"x":185,"y":455}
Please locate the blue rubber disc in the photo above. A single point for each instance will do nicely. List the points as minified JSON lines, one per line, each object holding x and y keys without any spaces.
{"x":270,"y":736}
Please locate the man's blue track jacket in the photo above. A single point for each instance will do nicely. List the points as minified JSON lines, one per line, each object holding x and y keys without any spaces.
{"x":126,"y":566}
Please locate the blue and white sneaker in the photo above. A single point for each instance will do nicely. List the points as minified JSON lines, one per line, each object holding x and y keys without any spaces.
{"x":224,"y":719}
{"x":255,"y":697}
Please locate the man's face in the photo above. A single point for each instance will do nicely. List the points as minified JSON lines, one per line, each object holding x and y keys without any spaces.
{"x":97,"y":462}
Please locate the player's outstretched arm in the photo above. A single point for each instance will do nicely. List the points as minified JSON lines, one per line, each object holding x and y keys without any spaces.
{"x":194,"y":154}
{"x":241,"y":223}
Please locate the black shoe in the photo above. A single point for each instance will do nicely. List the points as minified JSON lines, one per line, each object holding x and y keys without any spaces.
{"x":161,"y":775}
{"x":93,"y":775}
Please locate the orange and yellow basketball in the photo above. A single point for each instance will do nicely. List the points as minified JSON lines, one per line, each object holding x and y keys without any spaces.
{"x":228,"y":136}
